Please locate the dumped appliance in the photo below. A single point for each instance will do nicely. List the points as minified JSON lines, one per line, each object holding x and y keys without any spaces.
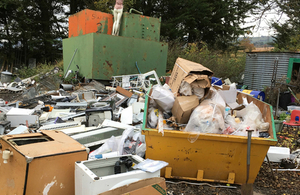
{"x":39,"y":163}
{"x":97,"y":176}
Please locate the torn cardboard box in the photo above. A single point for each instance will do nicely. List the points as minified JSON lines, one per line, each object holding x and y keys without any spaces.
{"x":183,"y":107}
{"x":191,"y":72}
{"x":151,"y":186}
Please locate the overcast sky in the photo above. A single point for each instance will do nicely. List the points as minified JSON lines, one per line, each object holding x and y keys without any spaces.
{"x":263,"y":28}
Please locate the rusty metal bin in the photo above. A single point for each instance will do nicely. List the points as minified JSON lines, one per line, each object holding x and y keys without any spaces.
{"x":213,"y":157}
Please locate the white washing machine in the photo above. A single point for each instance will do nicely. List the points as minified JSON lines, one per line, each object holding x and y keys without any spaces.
{"x":96,"y":176}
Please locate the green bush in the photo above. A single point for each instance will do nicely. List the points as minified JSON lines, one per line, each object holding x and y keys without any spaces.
{"x":223,"y":65}
{"x":26,"y":72}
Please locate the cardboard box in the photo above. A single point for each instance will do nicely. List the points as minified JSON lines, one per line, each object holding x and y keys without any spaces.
{"x":183,"y":107}
{"x":195,"y":71}
{"x":151,"y":186}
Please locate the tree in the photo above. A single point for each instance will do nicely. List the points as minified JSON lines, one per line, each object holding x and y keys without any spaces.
{"x":32,"y":29}
{"x":246,"y":44}
{"x":215,"y":22}
{"x":287,"y":34}
{"x":108,"y":5}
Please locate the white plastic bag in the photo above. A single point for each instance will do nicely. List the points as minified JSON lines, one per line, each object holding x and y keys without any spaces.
{"x":185,"y":88}
{"x":163,"y":97}
{"x":198,"y":91}
{"x":110,"y":145}
{"x":151,"y":166}
{"x":152,"y":118}
{"x":206,"y":118}
{"x":252,"y":119}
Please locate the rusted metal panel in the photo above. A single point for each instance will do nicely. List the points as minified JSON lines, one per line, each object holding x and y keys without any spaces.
{"x":90,"y":21}
{"x":114,"y":55}
{"x":139,"y":26}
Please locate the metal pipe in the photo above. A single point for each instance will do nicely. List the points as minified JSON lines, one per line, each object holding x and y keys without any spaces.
{"x":277,"y":104}
{"x":65,"y":118}
{"x":71,"y":104}
{"x":132,"y":9}
{"x":286,"y":170}
{"x":202,"y":184}
{"x":70,"y":62}
{"x":137,"y":67}
{"x":66,"y":87}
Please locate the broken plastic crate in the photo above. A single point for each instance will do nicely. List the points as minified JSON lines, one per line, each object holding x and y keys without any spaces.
{"x":213,"y":157}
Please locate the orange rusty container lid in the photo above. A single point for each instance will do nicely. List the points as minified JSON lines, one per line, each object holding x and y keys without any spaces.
{"x":90,"y":21}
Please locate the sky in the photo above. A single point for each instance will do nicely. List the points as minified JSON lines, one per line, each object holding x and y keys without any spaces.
{"x":263,"y":28}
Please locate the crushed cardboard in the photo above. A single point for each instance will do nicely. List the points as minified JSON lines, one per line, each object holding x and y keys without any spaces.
{"x":151,"y":186}
{"x":183,"y":107}
{"x":184,"y":68}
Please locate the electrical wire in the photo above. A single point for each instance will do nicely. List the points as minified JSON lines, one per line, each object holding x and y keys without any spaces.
{"x":201,"y":184}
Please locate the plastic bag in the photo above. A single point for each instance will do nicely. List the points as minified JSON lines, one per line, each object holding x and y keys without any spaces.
{"x":185,"y":88}
{"x":230,"y":125}
{"x":151,"y":166}
{"x":163,"y":97}
{"x":217,"y":98}
{"x":198,"y":91}
{"x":152,"y":117}
{"x":110,"y":145}
{"x":206,"y":118}
{"x":252,"y":119}
{"x":129,"y":141}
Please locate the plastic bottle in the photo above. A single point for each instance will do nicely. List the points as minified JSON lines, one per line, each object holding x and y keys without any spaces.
{"x":227,"y":111}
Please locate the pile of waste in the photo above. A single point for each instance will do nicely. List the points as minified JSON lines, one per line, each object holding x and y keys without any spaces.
{"x":191,"y":103}
{"x":106,"y":123}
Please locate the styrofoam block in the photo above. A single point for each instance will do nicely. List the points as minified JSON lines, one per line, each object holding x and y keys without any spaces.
{"x":275,"y":154}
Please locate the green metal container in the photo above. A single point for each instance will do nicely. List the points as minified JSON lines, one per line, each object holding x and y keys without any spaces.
{"x":139,"y":26}
{"x":101,"y":56}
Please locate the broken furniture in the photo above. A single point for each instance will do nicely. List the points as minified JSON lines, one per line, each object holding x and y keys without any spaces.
{"x":295,"y":119}
{"x":97,"y":176}
{"x":39,"y":163}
